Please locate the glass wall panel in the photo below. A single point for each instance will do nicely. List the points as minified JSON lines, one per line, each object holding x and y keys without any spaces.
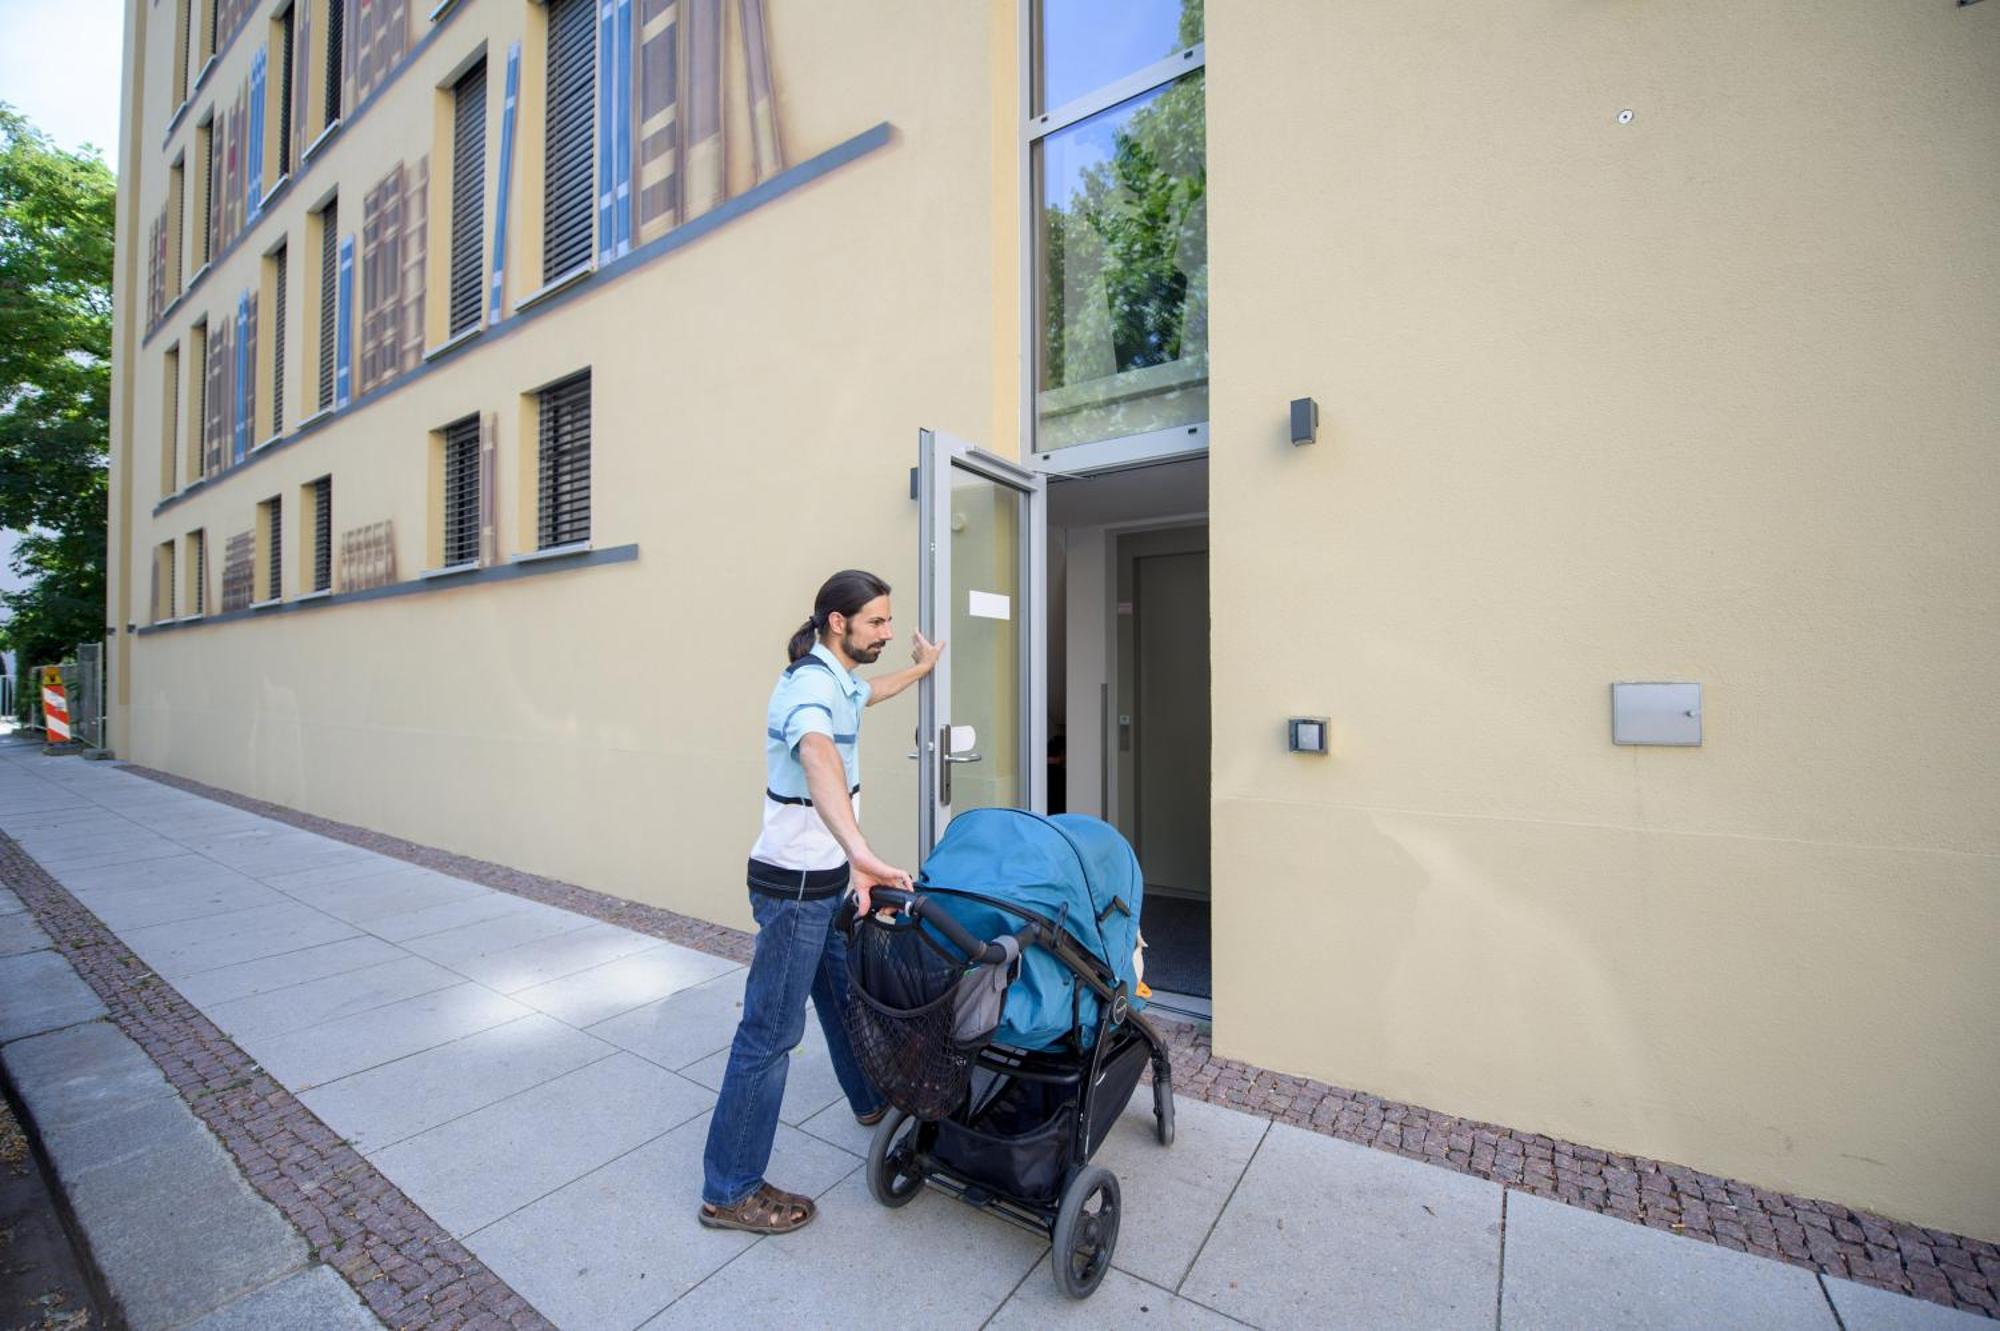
{"x":1087,"y":44}
{"x":1122,"y":270}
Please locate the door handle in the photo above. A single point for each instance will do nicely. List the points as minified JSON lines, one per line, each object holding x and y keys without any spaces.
{"x":963,"y":757}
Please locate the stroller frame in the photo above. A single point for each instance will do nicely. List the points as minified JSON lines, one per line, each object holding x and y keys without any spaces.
{"x":1081,"y":1219}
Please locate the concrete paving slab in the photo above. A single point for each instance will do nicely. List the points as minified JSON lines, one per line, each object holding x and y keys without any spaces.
{"x":80,"y":1073}
{"x":227,"y":892}
{"x":532,"y":923}
{"x":316,"y":1299}
{"x":602,"y":992}
{"x":617,"y":1245}
{"x":1571,"y":1268}
{"x":936,"y":1262}
{"x":61,"y":862}
{"x":1122,"y":1300}
{"x":224,"y":983}
{"x":835,"y":1126}
{"x":282,"y":1011}
{"x":187,"y":946}
{"x":427,"y":921}
{"x":604,"y":1110}
{"x":810,"y":1085}
{"x":108,"y":1142}
{"x":40,"y":992}
{"x":20,"y":933}
{"x":1865,"y":1308}
{"x":1324,"y":1233}
{"x":303,"y":1059}
{"x":386,"y":892}
{"x":175,"y":1229}
{"x":513,"y":969}
{"x":1174,"y":1195}
{"x":168,"y":871}
{"x":10,"y":904}
{"x":342,"y":871}
{"x":386,"y":1104}
{"x":681,"y":1029}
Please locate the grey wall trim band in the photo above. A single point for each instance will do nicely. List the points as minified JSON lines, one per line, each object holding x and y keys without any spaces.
{"x":300,"y":169}
{"x":617,"y":554}
{"x":686,"y":234}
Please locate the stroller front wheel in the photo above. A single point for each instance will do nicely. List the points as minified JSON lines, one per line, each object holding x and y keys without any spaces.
{"x":894,"y":1176}
{"x":1086,"y":1231}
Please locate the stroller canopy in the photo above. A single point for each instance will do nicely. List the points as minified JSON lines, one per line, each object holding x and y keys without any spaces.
{"x":1068,"y":867}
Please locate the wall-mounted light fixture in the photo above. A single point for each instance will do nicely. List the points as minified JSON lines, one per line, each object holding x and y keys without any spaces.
{"x":1305,"y":420}
{"x":1307,"y":734}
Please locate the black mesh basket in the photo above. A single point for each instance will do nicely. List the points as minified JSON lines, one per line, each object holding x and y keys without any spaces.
{"x":899,"y":1020}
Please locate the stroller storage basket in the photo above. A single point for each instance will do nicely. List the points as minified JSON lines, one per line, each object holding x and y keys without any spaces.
{"x":1018,"y":1144}
{"x":907,"y":1051}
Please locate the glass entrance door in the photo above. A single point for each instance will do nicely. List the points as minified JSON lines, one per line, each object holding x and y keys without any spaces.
{"x":981,"y":729}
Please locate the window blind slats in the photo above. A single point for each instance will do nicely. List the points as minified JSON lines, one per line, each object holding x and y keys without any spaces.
{"x":468,"y":197}
{"x":322,"y":534}
{"x":329,"y":292}
{"x":568,"y":194}
{"x":278,"y":343}
{"x":285,"y":91}
{"x":563,"y":499}
{"x":274,"y":567}
{"x":461,"y":492}
{"x":334,"y":22}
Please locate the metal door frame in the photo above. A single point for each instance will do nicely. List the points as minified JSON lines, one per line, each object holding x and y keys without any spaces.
{"x":937,"y":453}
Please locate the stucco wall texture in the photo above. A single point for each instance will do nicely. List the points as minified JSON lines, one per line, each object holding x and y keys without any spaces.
{"x":1695,"y":397}
{"x":1705,"y":395}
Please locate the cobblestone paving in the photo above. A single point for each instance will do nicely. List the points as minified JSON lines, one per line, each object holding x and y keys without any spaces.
{"x":1828,"y":1237}
{"x":413,"y":1275}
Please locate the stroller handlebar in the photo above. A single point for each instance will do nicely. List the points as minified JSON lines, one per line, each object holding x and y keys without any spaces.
{"x":915,"y":904}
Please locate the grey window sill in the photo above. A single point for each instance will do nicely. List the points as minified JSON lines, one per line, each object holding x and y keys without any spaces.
{"x":319,"y":595}
{"x":450,"y":570}
{"x":454,"y":342}
{"x":553,"y":552}
{"x":567,"y":280}
{"x":266,"y":605}
{"x":319,"y":141}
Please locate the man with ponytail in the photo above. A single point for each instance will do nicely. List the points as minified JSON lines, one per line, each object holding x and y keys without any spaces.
{"x":809,"y":856}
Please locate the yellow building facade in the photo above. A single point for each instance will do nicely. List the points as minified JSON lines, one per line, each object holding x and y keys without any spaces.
{"x":496,"y":382}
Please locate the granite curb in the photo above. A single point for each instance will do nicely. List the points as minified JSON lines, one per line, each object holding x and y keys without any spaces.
{"x":1822,"y":1236}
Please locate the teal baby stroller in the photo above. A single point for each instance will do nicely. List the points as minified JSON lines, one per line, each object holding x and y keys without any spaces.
{"x":999,"y":1016}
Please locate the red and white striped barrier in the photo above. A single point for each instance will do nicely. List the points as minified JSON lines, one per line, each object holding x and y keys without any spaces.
{"x":55,"y":707}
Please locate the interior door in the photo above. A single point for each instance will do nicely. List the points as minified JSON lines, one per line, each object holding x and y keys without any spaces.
{"x":981,"y":715}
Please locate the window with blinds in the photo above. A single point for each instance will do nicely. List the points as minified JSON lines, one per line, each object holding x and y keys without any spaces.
{"x":198,"y":570}
{"x":283,"y":41}
{"x":461,"y":492}
{"x":182,"y":18}
{"x":563,"y":462}
{"x":204,"y":152}
{"x":322,"y":548}
{"x":277,"y":339}
{"x":170,"y":413}
{"x":198,"y":418}
{"x":334,"y":15}
{"x":212,"y":35}
{"x":274,"y":541}
{"x":468,"y":196}
{"x":329,"y":297}
{"x":568,"y":193}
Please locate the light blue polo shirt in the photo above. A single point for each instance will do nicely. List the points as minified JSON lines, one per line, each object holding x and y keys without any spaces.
{"x":815,"y":696}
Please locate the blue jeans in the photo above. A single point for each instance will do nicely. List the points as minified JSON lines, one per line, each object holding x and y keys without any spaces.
{"x":799,"y":954}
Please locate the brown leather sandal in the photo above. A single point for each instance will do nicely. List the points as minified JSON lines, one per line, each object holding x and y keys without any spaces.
{"x":765,"y":1211}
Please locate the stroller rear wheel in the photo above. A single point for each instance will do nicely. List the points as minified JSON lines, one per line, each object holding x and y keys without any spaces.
{"x":1086,"y":1231}
{"x":894,"y":1176}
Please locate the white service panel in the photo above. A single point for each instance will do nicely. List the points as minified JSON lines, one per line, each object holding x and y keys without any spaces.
{"x":1656,"y":714}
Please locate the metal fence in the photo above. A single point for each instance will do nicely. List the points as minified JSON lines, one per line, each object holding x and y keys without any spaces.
{"x":83,"y":688}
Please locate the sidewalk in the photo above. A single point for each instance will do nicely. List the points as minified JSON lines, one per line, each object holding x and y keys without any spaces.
{"x":538,"y":1085}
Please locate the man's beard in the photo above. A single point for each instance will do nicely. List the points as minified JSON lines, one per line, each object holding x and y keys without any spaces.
{"x":862,"y":655}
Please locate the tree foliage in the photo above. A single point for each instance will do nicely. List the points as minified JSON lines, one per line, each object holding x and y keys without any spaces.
{"x":57,"y":213}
